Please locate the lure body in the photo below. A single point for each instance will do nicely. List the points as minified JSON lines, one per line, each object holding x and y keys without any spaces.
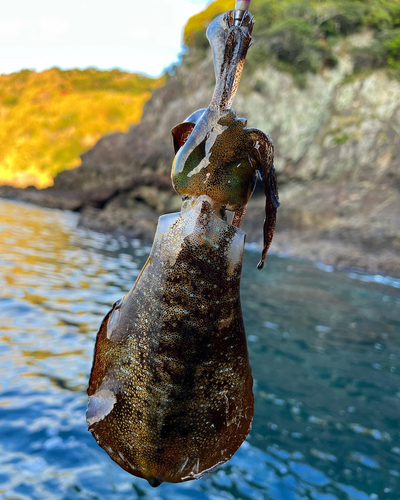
{"x":170,"y":392}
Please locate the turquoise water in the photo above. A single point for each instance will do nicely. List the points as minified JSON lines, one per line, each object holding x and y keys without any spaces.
{"x":324,"y":346}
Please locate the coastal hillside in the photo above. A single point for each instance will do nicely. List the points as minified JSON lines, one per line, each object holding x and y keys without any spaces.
{"x":323,"y":80}
{"x":48,"y":119}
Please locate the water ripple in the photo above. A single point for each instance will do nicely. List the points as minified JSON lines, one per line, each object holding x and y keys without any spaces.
{"x":324,"y":347}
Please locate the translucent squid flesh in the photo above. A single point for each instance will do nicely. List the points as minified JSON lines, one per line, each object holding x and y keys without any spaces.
{"x":170,"y":392}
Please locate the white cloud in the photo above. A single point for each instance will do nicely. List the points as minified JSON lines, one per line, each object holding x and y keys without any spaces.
{"x":85,"y":33}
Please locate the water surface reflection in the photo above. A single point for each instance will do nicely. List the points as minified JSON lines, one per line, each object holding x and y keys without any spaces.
{"x":324,"y":346}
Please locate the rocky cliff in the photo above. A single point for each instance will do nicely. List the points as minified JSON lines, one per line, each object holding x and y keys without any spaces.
{"x":337,"y":150}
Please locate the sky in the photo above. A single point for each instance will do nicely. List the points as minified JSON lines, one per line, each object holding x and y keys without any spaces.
{"x":80,"y":33}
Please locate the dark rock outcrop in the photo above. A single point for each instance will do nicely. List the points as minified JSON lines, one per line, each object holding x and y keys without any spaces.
{"x":337,"y":156}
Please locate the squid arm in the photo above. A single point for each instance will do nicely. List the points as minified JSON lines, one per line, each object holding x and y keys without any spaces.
{"x":264,"y":157}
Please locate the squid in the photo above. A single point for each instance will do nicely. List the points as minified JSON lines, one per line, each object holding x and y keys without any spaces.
{"x":170,"y":390}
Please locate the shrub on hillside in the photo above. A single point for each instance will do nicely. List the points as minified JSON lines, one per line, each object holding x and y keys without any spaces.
{"x":340,"y":18}
{"x":382,"y":15}
{"x":293,"y":41}
{"x":301,"y":10}
{"x":383,"y":51}
{"x":393,"y":46}
{"x":371,"y":57}
{"x":300,"y":34}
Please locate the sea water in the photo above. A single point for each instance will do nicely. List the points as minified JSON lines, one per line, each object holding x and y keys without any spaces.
{"x":324,"y":346}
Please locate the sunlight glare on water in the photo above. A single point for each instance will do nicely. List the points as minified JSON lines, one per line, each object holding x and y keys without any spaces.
{"x":324,"y":347}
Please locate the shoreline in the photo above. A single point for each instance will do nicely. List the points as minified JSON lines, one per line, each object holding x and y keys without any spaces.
{"x":287,"y":243}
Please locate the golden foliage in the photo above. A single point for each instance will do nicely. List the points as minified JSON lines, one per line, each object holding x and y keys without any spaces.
{"x":48,"y":119}
{"x":200,"y":21}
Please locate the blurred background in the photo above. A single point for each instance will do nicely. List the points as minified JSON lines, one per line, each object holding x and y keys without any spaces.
{"x":322,"y":79}
{"x":88,"y":96}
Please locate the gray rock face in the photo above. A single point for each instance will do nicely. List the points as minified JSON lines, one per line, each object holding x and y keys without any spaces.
{"x":337,"y":146}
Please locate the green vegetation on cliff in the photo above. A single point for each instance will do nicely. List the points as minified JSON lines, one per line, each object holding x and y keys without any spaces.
{"x":49,"y":119}
{"x":299,"y":35}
